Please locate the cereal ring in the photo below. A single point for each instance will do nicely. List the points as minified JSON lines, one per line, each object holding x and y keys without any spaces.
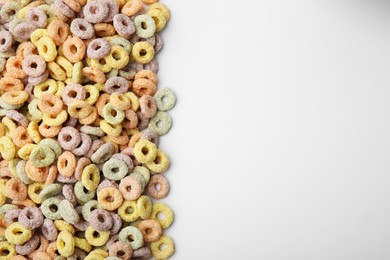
{"x":162,"y":8}
{"x":33,"y":191}
{"x":17,"y":234}
{"x":145,"y":26}
{"x":6,"y":40}
{"x":112,"y":114}
{"x":116,"y":84}
{"x":144,"y":207}
{"x":50,"y":104}
{"x":143,"y":252}
{"x":80,"y":109}
{"x":118,"y":57}
{"x":7,"y":250}
{"x":104,"y":29}
{"x":123,"y":25}
{"x":50,"y":191}
{"x":114,"y":169}
{"x":162,"y":208}
{"x":90,"y":177}
{"x":81,"y":28}
{"x":130,"y":187}
{"x":95,"y":11}
{"x":143,"y":123}
{"x":58,"y":31}
{"x":34,"y":65}
{"x":151,"y":230}
{"x":160,"y":123}
{"x":42,"y":156}
{"x":47,"y":49}
{"x":121,"y":250}
{"x":52,"y":175}
{"x":36,"y":17}
{"x":148,"y":106}
{"x":132,"y":237}
{"x":82,"y":194}
{"x":73,"y":92}
{"x":100,"y":220}
{"x":89,"y":207}
{"x":116,"y":224}
{"x":38,"y":80}
{"x":132,"y":7}
{"x":110,"y":198}
{"x":73,"y":4}
{"x":10,"y":83}
{"x":84,"y":146}
{"x":81,"y":164}
{"x":128,"y":211}
{"x":53,"y":145}
{"x":98,"y":48}
{"x":143,"y":52}
{"x":113,"y":9}
{"x":105,"y":184}
{"x":145,"y":151}
{"x":69,"y":138}
{"x":96,"y":237}
{"x":144,"y":87}
{"x":82,"y":244}
{"x":161,"y":252}
{"x":15,"y":189}
{"x":28,"y":247}
{"x":103,"y":153}
{"x":68,"y":212}
{"x":67,"y":191}
{"x":11,"y":216}
{"x":30,"y":217}
{"x":65,"y":243}
{"x":50,"y":208}
{"x":94,"y":74}
{"x":66,"y":164}
{"x":74,"y":49}
{"x":158,"y":187}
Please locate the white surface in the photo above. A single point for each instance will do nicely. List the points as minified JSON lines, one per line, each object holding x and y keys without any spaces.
{"x":281,"y":135}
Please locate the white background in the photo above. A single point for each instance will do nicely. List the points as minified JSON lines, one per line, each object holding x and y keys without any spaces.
{"x":280,"y":146}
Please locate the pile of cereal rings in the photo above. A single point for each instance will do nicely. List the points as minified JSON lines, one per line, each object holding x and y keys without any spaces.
{"x":81,"y":116}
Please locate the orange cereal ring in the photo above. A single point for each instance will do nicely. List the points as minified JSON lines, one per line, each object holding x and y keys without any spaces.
{"x":4,"y":170}
{"x":135,"y":138}
{"x":110,"y":198}
{"x":48,"y":131}
{"x":10,"y":83}
{"x":20,"y":136}
{"x":15,"y":97}
{"x":51,"y":177}
{"x":26,"y":48}
{"x":132,"y":7}
{"x":15,"y":189}
{"x":122,"y":139}
{"x":3,"y":226}
{"x":101,"y":102}
{"x":73,"y":4}
{"x":94,"y":74}
{"x":50,"y":104}
{"x":58,"y":13}
{"x":58,"y":31}
{"x":146,"y":74}
{"x":24,"y":203}
{"x":79,"y":109}
{"x":74,"y":49}
{"x":14,"y":67}
{"x":90,"y":118}
{"x":144,"y":87}
{"x":35,"y":173}
{"x":104,"y":29}
{"x":51,"y":250}
{"x":66,"y":164}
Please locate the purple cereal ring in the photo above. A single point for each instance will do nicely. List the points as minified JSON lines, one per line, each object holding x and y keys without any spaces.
{"x":120,"y":249}
{"x":116,"y":223}
{"x":24,"y":30}
{"x":36,"y":17}
{"x":6,"y":40}
{"x":113,"y":239}
{"x":95,"y":11}
{"x":159,"y":43}
{"x":81,"y":226}
{"x":68,"y":192}
{"x":143,"y":121}
{"x":98,"y":48}
{"x":29,"y":246}
{"x":142,"y":253}
{"x":81,"y":164}
{"x":153,"y":66}
{"x":123,"y":25}
{"x":49,"y":230}
{"x":130,"y":152}
{"x":69,"y":138}
{"x":31,"y":217}
{"x":113,"y":9}
{"x":71,"y":121}
{"x":62,"y":179}
{"x":82,"y":28}
{"x":84,"y":145}
{"x":39,"y":79}
{"x":18,"y":117}
{"x":100,"y":220}
{"x":124,"y":158}
{"x":29,"y":88}
{"x":72,"y":92}
{"x":12,"y":216}
{"x":151,"y":136}
{"x":135,"y":38}
{"x":34,"y":65}
{"x":95,"y":145}
{"x":64,"y":9}
{"x":105,"y":184}
{"x":116,"y":84}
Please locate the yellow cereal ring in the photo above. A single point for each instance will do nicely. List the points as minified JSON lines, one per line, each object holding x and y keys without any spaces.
{"x":144,"y":207}
{"x":162,"y":252}
{"x":142,"y":52}
{"x":65,"y":243}
{"x":33,"y":191}
{"x":48,"y":86}
{"x":55,"y":71}
{"x":92,"y":94}
{"x":33,"y":132}
{"x":134,"y":101}
{"x":95,"y":237}
{"x":90,"y":177}
{"x":9,"y":125}
{"x":101,"y":64}
{"x":162,"y":208}
{"x":62,"y":225}
{"x":2,"y":129}
{"x":112,"y":130}
{"x":160,"y":163}
{"x":77,"y":76}
{"x":66,"y":65}
{"x":7,"y":250}
{"x":60,"y":88}
{"x":37,"y":34}
{"x":128,"y":211}
{"x":25,"y":151}
{"x":120,"y":101}
{"x":17,"y":234}
{"x":47,"y":48}
{"x":82,"y":244}
{"x":159,"y":18}
{"x":55,"y":120}
{"x":7,"y":148}
{"x":97,"y":254}
{"x":2,"y":199}
{"x":118,"y":57}
{"x":145,"y":151}
{"x":15,"y":97}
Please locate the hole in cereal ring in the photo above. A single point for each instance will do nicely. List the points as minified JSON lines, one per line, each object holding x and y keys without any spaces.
{"x":92,"y":9}
{"x":17,"y":232}
{"x":113,"y":112}
{"x":2,"y":41}
{"x":144,"y":25}
{"x":129,"y":210}
{"x":164,"y":99}
{"x":67,"y":138}
{"x":128,"y":188}
{"x":157,"y":160}
{"x":162,"y":247}
{"x":120,"y":253}
{"x":72,"y":93}
{"x":34,"y":65}
{"x":85,"y":190}
{"x":157,"y":186}
{"x":115,"y":170}
{"x":73,"y":48}
{"x":11,"y":12}
{"x":53,"y":208}
{"x":100,"y":218}
{"x":82,"y":27}
{"x":160,"y":215}
{"x":116,"y":55}
{"x":96,"y":234}
{"x":130,"y":238}
{"x":109,"y":199}
{"x":102,"y":61}
{"x":148,"y":230}
{"x":44,"y":48}
{"x":145,"y":150}
{"x":35,"y":17}
{"x":143,"y":52}
{"x":159,"y":124}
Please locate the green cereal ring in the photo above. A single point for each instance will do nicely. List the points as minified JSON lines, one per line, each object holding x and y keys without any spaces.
{"x":127,"y":73}
{"x":47,"y":10}
{"x":77,"y":76}
{"x":92,"y":130}
{"x":143,"y":171}
{"x":12,"y":166}
{"x":135,"y":234}
{"x":50,"y":208}
{"x":112,"y":73}
{"x":112,"y":114}
{"x":8,"y":106}
{"x":165,"y":99}
{"x":83,"y":195}
{"x":13,"y":24}
{"x":68,"y":212}
{"x":21,"y":172}
{"x":7,"y":54}
{"x":50,"y":191}
{"x":54,"y":145}
{"x":34,"y":109}
{"x":42,"y":156}
{"x":145,"y":26}
{"x":7,"y":207}
{"x":160,"y":123}
{"x":117,"y":40}
{"x":89,"y":207}
{"x":9,"y":11}
{"x":115,"y":169}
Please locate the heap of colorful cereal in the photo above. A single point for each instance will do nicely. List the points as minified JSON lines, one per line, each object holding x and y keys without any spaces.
{"x":81,"y":117}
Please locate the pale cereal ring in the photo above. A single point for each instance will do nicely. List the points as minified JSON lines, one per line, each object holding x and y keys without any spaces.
{"x":104,"y":29}
{"x":132,"y":7}
{"x":6,"y":40}
{"x":73,"y":92}
{"x":69,"y":138}
{"x":98,"y":48}
{"x":34,"y":65}
{"x":123,"y":25}
{"x":81,"y":28}
{"x":50,"y":104}
{"x":36,"y":17}
{"x":66,"y":164}
{"x":95,"y":11}
{"x":151,"y":230}
{"x":74,"y":49}
{"x":58,"y":31}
